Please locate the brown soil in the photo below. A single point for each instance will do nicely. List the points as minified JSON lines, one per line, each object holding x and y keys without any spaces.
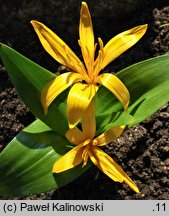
{"x":142,"y":151}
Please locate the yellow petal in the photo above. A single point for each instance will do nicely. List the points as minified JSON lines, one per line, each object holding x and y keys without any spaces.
{"x":89,"y":122}
{"x":57,"y":48}
{"x":116,"y":87}
{"x":86,"y":36}
{"x":75,"y":136}
{"x":78,"y":100}
{"x":107,"y":165}
{"x":122,"y":42}
{"x":109,"y":136}
{"x":69,"y":160}
{"x":85,"y":155}
{"x":56,"y":86}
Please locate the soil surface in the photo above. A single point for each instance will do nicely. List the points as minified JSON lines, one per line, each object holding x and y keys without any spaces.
{"x":141,"y":151}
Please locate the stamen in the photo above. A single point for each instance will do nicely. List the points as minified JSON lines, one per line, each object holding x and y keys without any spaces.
{"x":101,"y":45}
{"x":94,"y":142}
{"x":86,"y":142}
{"x":95,"y":46}
{"x":85,"y":155}
{"x":97,"y":64}
{"x":99,"y":59}
{"x":101,"y":52}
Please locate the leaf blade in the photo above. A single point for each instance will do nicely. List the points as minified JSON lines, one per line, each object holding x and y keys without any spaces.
{"x":148,"y":84}
{"x":27,"y":162}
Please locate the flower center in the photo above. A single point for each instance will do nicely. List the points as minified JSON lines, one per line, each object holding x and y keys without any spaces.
{"x":88,"y":145}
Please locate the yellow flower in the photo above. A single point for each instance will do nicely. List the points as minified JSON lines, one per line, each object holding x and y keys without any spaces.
{"x":85,"y":79}
{"x":87,"y":146}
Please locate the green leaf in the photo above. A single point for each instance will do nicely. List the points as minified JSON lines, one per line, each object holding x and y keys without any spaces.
{"x":26,"y":163}
{"x":29,"y":79}
{"x":105,"y":122}
{"x":148,"y":84}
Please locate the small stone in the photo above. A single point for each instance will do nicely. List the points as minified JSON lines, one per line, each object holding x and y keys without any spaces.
{"x":166,"y":162}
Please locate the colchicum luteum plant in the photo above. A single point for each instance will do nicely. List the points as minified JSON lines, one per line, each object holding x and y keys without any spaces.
{"x":79,"y":111}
